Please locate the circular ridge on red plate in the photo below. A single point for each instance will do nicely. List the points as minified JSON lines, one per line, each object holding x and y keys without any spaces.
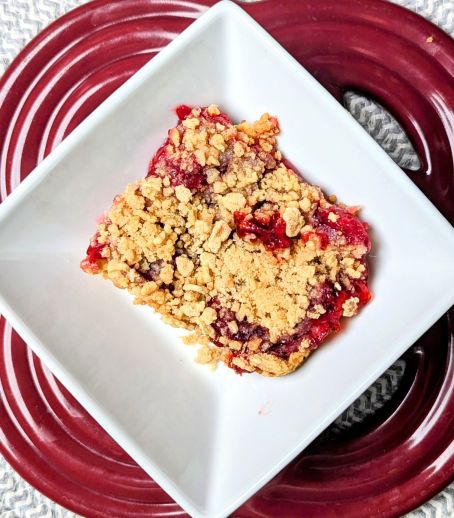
{"x":388,"y":464}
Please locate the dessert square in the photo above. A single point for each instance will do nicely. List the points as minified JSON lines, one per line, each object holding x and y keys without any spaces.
{"x":224,"y":238}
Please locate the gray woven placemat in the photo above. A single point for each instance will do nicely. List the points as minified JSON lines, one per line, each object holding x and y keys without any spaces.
{"x":20,"y":21}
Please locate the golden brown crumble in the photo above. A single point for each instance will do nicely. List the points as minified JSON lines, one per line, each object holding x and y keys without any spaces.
{"x":178,"y":240}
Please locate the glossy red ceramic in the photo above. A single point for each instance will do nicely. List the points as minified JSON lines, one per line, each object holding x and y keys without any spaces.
{"x":387,"y":465}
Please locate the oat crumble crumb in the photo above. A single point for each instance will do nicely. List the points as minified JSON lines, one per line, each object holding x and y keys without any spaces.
{"x":350,"y":307}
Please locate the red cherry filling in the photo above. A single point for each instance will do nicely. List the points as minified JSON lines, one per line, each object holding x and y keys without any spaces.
{"x":267,"y":227}
{"x":158,"y":157}
{"x":183,"y":111}
{"x":221,"y":118}
{"x":361,"y":291}
{"x":192,"y":177}
{"x":245,"y":330}
{"x":94,"y":254}
{"x":321,"y":237}
{"x":343,"y":222}
{"x":316,"y":330}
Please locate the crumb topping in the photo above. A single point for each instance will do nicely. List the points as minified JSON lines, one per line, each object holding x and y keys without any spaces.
{"x":223,"y":238}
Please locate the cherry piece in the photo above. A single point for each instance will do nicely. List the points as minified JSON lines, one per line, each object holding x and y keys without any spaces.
{"x":267,"y":227}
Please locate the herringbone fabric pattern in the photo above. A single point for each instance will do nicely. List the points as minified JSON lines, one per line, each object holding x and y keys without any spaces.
{"x":19,"y":500}
{"x":373,"y":399}
{"x":20,"y":20}
{"x":439,"y":12}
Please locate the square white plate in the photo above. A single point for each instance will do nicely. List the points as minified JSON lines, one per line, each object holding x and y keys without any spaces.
{"x":199,"y":434}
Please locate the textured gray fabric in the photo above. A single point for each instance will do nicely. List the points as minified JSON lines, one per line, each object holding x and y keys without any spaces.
{"x":20,"y":20}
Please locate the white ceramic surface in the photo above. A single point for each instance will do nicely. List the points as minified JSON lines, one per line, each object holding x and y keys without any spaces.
{"x":202,"y":435}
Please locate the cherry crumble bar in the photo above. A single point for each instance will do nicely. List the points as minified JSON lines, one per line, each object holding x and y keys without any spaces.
{"x":223,"y":238}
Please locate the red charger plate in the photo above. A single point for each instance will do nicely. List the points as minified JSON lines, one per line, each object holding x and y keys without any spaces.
{"x":385,"y":466}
